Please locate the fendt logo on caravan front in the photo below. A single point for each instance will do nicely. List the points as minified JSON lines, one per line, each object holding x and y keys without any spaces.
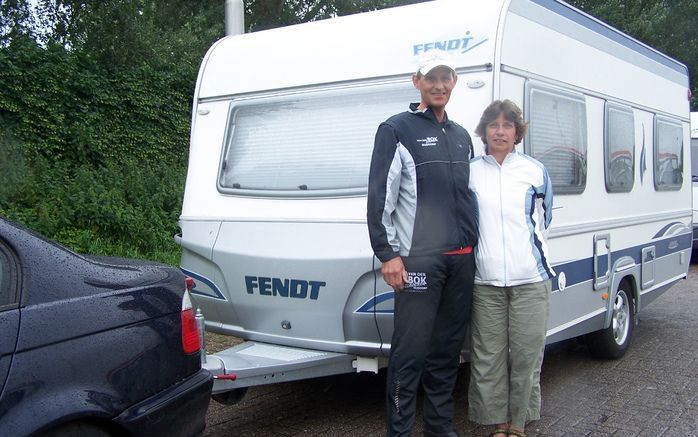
{"x":463,"y":44}
{"x":295,"y":288}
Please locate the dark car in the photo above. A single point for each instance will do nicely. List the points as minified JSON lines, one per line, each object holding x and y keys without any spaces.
{"x":95,"y":346}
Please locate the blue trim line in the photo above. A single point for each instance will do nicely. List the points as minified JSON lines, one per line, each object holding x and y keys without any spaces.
{"x":368,"y":306}
{"x":568,"y":12}
{"x":204,"y":280}
{"x":576,"y":271}
{"x":583,"y":270}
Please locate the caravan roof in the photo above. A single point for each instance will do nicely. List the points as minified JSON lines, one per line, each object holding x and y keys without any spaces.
{"x":350,"y":47}
{"x":386,"y":43}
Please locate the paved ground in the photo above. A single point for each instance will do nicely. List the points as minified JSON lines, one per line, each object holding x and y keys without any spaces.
{"x":652,"y":391}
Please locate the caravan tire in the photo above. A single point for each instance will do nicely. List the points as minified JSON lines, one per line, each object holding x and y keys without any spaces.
{"x":613,"y":342}
{"x":231,"y":397}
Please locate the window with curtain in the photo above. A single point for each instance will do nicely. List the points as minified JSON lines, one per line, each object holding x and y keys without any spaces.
{"x":557,"y":135}
{"x":312,"y":143}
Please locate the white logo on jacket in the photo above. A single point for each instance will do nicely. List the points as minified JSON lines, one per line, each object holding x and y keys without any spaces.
{"x":416,"y":281}
{"x":428,"y":141}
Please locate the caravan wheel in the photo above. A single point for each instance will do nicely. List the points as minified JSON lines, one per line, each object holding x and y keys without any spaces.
{"x":612,"y":342}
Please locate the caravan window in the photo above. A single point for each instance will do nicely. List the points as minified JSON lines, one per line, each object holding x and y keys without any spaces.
{"x":668,"y":154}
{"x":557,"y":135}
{"x":619,"y":144}
{"x":311,"y":143}
{"x":694,"y":159}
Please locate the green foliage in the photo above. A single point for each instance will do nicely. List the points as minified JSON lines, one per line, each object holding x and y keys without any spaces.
{"x":13,"y":168}
{"x":94,"y":133}
{"x":129,"y":208}
{"x":16,"y":21}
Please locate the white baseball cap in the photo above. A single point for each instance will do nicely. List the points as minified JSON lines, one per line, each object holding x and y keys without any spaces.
{"x":434,"y":58}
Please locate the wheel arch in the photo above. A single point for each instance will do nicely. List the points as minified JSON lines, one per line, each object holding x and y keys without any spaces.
{"x":612,"y":341}
{"x":625,"y":271}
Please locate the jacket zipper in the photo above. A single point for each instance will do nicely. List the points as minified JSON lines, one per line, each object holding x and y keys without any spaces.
{"x":501,"y":218}
{"x":454,"y":208}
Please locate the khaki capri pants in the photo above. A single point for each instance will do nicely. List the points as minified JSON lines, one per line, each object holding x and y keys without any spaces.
{"x":508,"y":329}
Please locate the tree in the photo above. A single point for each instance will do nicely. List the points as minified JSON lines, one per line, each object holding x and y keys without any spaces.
{"x":16,"y":20}
{"x":125,"y":33}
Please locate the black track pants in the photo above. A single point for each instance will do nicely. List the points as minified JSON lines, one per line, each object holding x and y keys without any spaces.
{"x":430,"y":323}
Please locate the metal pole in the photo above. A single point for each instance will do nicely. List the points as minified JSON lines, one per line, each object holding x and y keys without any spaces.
{"x":234,"y":17}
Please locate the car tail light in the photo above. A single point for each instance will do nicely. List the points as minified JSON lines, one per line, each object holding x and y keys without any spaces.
{"x":190,"y":332}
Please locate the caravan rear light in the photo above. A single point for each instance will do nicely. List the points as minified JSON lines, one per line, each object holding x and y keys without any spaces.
{"x":190,"y":331}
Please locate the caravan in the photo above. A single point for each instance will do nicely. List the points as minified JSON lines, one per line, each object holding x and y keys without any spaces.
{"x":274,"y":214}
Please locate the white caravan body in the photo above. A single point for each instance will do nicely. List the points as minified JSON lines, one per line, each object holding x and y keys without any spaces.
{"x":274,"y":213}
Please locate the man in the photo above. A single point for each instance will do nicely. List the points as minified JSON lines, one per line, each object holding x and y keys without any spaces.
{"x":422,"y":224}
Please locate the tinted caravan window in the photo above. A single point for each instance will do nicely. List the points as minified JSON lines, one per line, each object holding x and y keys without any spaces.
{"x":668,"y":154}
{"x":694,"y":159}
{"x":619,"y":145}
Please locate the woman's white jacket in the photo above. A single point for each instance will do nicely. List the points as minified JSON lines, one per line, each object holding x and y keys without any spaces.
{"x":515,"y":202}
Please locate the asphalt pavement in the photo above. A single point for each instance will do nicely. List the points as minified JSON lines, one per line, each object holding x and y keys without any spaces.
{"x":652,"y":391}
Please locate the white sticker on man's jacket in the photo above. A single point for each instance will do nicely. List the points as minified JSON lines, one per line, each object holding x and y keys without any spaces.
{"x":416,"y":281}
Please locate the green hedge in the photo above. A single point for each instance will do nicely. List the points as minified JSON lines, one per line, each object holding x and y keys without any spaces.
{"x":91,"y":157}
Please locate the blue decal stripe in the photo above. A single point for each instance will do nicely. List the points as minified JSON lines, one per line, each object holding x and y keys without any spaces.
{"x":369,"y":305}
{"x":576,"y":272}
{"x":208,"y":282}
{"x":583,"y":270}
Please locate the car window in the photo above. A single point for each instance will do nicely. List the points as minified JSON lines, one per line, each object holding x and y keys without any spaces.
{"x":7,"y":284}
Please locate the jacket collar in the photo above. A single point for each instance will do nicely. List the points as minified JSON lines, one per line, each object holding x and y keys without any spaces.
{"x":428,"y":113}
{"x":512,"y":155}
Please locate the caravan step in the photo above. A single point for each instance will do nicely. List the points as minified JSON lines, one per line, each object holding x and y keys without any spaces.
{"x":254,"y":363}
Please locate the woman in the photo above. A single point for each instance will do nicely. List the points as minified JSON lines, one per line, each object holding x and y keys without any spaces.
{"x":513,"y":277}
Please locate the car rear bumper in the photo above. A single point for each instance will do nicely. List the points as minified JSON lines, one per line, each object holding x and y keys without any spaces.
{"x":177,"y":411}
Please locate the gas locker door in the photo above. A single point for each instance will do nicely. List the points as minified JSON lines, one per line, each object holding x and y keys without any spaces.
{"x":602,"y":260}
{"x":9,"y":312}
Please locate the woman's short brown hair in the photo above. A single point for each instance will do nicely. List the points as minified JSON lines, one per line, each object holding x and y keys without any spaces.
{"x":511,"y":113}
